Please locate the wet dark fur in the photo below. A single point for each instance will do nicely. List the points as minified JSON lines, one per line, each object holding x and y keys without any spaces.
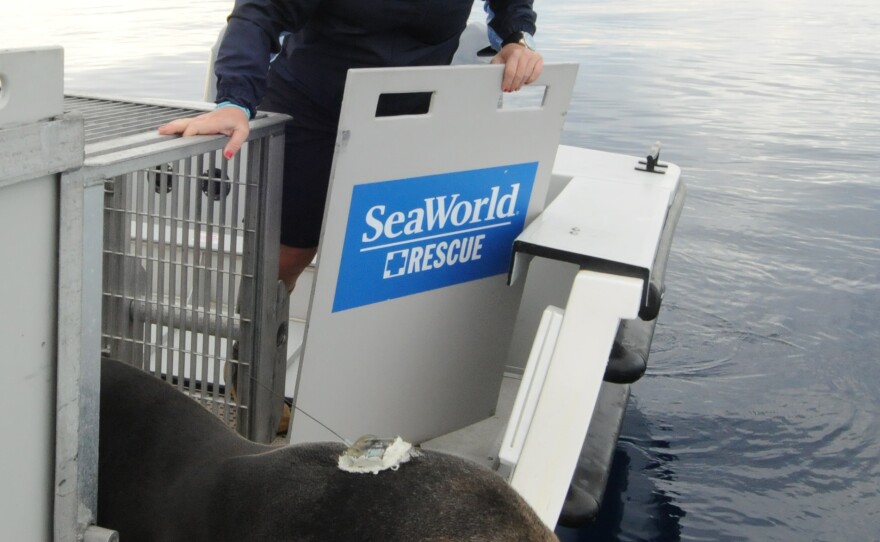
{"x":170,"y":471}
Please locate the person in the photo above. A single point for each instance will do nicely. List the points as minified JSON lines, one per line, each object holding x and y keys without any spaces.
{"x":314,"y":43}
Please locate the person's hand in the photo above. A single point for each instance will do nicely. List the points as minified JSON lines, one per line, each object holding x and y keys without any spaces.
{"x":521,"y":66}
{"x":229,"y":121}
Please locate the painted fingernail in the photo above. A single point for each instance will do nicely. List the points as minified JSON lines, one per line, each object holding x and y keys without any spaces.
{"x":228,"y":155}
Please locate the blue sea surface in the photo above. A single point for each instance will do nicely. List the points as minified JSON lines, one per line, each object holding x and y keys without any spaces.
{"x":759,"y":417}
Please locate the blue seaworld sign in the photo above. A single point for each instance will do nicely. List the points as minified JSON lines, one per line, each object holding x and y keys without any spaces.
{"x":409,"y":236}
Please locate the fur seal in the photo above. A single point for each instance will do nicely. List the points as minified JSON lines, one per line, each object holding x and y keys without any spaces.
{"x":170,"y":471}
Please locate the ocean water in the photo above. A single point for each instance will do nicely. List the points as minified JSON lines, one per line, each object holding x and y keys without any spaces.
{"x":759,"y":417}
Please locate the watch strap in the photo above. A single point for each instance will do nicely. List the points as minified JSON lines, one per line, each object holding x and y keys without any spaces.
{"x":521,"y":38}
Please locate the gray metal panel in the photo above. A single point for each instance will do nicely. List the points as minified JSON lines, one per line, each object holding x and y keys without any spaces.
{"x":33,"y":142}
{"x":36,"y":142}
{"x":424,"y":364}
{"x":23,"y":149}
{"x":32,"y":82}
{"x":28,"y":266}
{"x":79,"y":332}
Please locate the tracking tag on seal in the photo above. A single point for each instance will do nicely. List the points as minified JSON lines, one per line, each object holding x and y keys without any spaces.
{"x":373,"y":454}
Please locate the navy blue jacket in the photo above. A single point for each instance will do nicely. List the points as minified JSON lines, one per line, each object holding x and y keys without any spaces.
{"x":331,"y":36}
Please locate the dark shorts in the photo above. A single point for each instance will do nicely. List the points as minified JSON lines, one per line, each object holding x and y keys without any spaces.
{"x":309,"y":142}
{"x":308,"y":156}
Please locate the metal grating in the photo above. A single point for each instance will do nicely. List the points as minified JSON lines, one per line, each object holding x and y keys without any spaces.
{"x":189,"y":257}
{"x":107,"y":119}
{"x":173,"y":246}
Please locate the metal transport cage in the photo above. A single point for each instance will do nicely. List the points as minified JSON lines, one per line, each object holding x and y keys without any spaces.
{"x":189,"y":257}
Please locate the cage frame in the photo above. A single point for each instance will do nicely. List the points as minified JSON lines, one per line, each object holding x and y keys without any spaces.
{"x":80,"y":290}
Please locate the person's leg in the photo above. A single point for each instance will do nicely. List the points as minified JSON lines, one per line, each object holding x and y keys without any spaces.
{"x":308,"y":158}
{"x":292,"y":261}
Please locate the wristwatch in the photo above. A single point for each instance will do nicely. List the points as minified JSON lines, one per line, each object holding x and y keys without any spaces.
{"x":522,"y":38}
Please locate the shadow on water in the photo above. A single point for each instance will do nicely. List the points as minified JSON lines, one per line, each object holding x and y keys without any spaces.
{"x":634,"y":508}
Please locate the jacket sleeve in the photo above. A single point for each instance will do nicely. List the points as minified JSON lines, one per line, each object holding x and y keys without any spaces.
{"x":252,"y":36}
{"x":511,"y":16}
